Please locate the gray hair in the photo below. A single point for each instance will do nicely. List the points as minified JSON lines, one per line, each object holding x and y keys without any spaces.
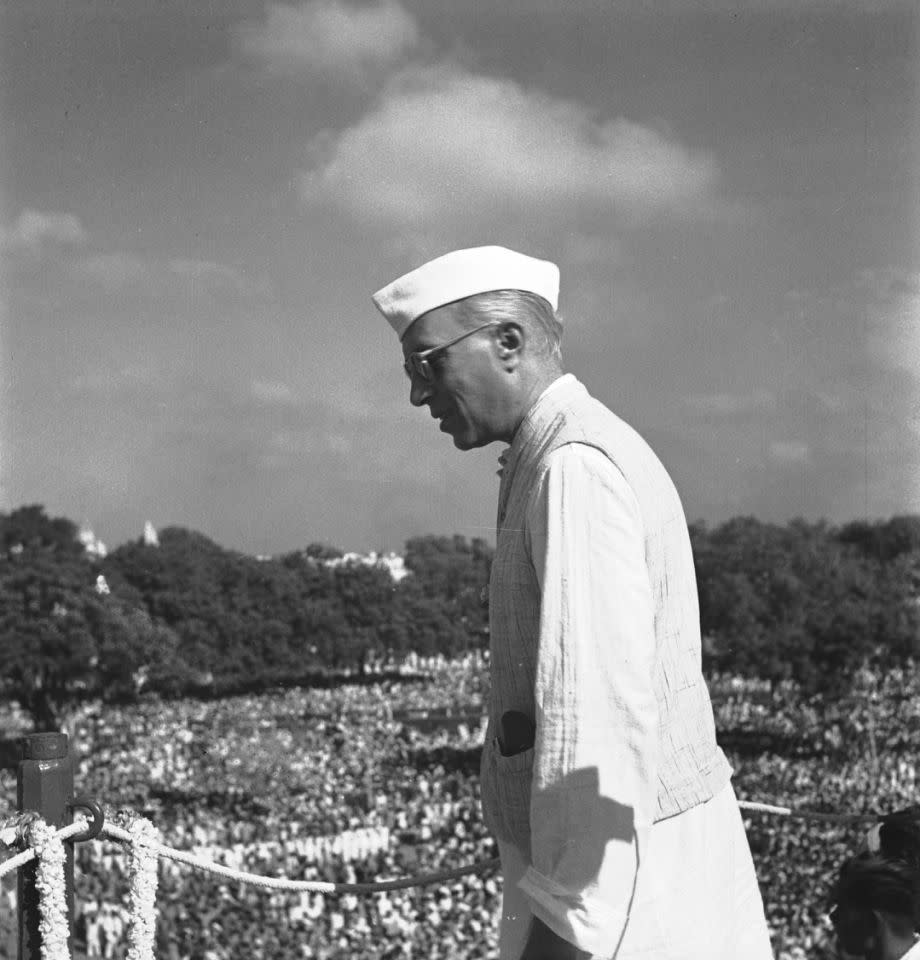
{"x":531,"y":311}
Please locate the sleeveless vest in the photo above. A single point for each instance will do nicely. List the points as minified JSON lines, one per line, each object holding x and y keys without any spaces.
{"x":691,"y":767}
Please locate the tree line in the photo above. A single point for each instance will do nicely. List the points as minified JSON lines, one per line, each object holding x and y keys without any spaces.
{"x":803,"y":601}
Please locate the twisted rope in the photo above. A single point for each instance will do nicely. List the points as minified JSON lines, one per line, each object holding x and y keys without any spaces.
{"x":319,"y":886}
{"x":27,"y":856}
{"x":145,"y":850}
{"x":272,"y":883}
{"x":841,"y":818}
{"x":313,"y":886}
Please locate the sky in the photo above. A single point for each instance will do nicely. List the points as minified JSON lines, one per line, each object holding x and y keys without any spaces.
{"x":198,"y":198}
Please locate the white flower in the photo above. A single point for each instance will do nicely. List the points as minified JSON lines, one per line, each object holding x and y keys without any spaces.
{"x":142,"y":871}
{"x":49,"y":881}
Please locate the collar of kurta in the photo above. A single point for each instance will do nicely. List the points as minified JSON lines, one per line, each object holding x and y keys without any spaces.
{"x":539,"y":415}
{"x":536,"y":423}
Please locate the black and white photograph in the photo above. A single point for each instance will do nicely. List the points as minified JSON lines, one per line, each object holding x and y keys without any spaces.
{"x":459,"y":480}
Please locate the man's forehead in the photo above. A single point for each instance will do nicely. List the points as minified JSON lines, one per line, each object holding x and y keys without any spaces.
{"x":430,"y":329}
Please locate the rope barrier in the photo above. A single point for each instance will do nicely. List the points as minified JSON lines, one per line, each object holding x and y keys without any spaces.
{"x":841,"y":818}
{"x":145,"y":850}
{"x":318,"y":886}
{"x":27,"y":856}
{"x":182,"y":856}
{"x":312,"y":886}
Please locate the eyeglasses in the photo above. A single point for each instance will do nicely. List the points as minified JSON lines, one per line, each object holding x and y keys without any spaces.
{"x":418,"y":363}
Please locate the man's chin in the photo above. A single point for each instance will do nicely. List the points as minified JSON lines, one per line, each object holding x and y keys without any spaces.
{"x":461,"y":437}
{"x":466,"y":443}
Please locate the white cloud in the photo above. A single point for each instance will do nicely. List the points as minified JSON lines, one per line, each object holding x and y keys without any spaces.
{"x":830,"y":402}
{"x":215,"y":275}
{"x":681,"y":8}
{"x":115,"y":271}
{"x":449,"y":144}
{"x":272,"y":392}
{"x":868,"y":325}
{"x":893,"y":316}
{"x":738,"y":8}
{"x":888,"y":283}
{"x":137,"y":378}
{"x":340,"y":443}
{"x":895,"y":335}
{"x":789,"y":451}
{"x":200,"y":269}
{"x":285,"y":448}
{"x":33,"y":228}
{"x":119,"y":270}
{"x":731,"y":404}
{"x":330,"y":37}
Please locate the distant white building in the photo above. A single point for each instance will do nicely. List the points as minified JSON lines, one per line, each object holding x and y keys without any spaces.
{"x":394,"y":563}
{"x":391,"y":562}
{"x":91,"y":543}
{"x":150,"y":535}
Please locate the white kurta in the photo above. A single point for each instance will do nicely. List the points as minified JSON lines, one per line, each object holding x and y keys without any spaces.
{"x":680,"y":889}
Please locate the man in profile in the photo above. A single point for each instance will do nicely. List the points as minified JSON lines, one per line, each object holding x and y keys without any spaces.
{"x":617,"y":825}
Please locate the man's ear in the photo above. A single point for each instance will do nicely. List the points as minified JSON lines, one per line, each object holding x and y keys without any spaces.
{"x":510,"y":339}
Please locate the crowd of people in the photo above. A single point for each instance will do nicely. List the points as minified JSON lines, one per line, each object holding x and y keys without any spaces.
{"x":331,"y":785}
{"x":852,"y":755}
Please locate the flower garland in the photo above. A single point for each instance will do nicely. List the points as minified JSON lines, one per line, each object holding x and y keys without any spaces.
{"x":50,"y":883}
{"x":142,"y":871}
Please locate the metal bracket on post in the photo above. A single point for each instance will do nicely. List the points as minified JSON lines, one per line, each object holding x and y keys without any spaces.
{"x":45,"y":786}
{"x":95,"y":827}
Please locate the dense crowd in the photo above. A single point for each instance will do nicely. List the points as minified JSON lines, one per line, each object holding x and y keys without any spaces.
{"x":856,"y":754}
{"x":333,"y":785}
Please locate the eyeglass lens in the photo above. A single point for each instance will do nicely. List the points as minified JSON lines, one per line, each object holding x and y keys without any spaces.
{"x":418,"y":365}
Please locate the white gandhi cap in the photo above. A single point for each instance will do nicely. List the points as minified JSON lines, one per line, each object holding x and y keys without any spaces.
{"x":461,"y":274}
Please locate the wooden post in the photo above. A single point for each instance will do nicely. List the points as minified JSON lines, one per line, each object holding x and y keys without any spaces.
{"x":45,"y":785}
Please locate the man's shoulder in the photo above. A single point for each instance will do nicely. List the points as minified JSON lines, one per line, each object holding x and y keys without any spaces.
{"x":581,"y":456}
{"x":582,"y":467}
{"x":592,"y":423}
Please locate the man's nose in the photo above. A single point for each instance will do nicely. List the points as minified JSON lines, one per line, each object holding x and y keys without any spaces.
{"x":419,"y":391}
